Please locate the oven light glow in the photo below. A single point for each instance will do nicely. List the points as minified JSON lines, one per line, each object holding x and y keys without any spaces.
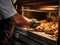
{"x":48,"y":8}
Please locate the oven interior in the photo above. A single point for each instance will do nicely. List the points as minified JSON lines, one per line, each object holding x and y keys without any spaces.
{"x":47,"y":15}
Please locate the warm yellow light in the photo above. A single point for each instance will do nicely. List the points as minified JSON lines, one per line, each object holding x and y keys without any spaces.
{"x":47,"y":8}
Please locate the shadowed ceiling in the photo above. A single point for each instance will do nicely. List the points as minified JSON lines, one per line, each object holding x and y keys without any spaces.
{"x":39,"y":2}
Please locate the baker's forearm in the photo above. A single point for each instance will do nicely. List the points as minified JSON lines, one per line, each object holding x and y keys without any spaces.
{"x":20,"y":20}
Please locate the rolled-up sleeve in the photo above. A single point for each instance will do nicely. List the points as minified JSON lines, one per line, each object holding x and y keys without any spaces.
{"x":6,"y":9}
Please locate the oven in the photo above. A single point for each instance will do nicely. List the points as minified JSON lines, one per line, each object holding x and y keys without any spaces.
{"x":46,"y":13}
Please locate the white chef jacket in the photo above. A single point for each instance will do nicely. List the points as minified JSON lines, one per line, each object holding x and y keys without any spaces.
{"x":6,"y":9}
